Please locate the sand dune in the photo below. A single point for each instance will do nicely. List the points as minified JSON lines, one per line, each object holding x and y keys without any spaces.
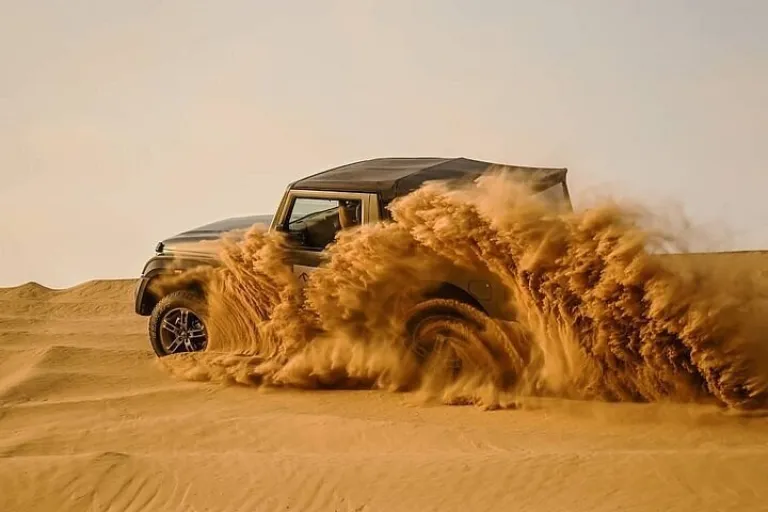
{"x":90,"y":421}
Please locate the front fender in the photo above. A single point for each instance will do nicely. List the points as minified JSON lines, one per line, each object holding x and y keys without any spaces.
{"x":163,"y":264}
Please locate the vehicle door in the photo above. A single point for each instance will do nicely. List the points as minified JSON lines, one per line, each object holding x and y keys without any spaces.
{"x":311,"y":219}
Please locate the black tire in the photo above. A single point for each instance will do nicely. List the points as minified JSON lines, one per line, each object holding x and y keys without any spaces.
{"x":191,"y":334}
{"x":459,"y":337}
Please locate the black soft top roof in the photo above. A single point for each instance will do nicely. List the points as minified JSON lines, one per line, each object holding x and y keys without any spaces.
{"x":393,"y":177}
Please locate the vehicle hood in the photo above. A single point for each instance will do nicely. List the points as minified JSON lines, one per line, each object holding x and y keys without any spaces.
{"x":205,"y":239}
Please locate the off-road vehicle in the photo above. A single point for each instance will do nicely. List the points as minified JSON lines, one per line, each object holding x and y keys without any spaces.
{"x":312,"y":211}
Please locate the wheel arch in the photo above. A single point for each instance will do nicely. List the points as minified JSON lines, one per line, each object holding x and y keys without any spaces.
{"x":150,"y":291}
{"x":450,"y":291}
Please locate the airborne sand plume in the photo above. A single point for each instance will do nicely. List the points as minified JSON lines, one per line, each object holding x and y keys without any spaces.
{"x":598,"y":315}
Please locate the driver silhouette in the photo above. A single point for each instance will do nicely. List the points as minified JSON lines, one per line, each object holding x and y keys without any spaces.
{"x":347,"y":213}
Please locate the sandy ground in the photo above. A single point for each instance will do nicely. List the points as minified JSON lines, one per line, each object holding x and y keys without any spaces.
{"x":89,"y":421}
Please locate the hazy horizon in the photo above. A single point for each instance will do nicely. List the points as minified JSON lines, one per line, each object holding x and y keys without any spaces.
{"x":127,"y":122}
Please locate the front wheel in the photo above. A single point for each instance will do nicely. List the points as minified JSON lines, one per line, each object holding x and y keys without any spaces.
{"x":177,"y":324}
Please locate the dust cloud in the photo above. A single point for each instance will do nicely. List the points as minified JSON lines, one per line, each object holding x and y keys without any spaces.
{"x":597,"y":312}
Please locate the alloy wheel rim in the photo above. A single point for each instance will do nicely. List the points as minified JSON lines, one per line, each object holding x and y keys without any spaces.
{"x":181,"y":330}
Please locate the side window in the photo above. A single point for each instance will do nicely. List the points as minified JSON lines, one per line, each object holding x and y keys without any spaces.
{"x":313,"y":222}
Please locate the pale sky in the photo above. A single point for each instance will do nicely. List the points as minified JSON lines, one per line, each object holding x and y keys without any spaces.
{"x":124,"y":122}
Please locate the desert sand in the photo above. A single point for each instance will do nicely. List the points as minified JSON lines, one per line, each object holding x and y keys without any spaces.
{"x":90,"y":421}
